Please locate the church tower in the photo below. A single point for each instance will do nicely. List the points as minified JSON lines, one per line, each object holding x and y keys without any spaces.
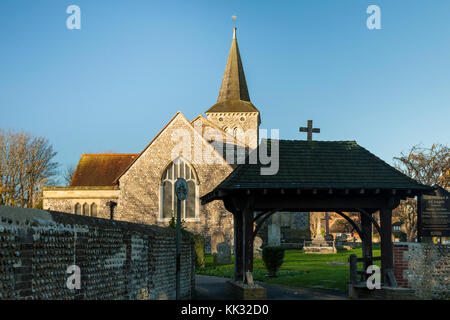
{"x":233,"y":111}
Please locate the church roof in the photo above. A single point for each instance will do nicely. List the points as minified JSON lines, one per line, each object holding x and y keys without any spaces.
{"x":100,"y":169}
{"x":320,"y":165}
{"x":233,"y":94}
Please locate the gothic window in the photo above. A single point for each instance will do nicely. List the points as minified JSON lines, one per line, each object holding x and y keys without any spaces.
{"x":235,"y":132}
{"x":77,"y":208}
{"x":85,"y":209}
{"x":168,"y":200}
{"x":93,"y":210}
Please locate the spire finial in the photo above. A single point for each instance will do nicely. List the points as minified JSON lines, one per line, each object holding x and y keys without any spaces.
{"x":234,"y":17}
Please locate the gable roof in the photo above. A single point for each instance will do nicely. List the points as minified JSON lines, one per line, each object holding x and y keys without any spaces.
{"x":321,"y":165}
{"x":100,"y":169}
{"x":178,"y":114}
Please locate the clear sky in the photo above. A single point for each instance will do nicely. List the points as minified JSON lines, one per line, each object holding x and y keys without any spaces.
{"x":114,"y":84}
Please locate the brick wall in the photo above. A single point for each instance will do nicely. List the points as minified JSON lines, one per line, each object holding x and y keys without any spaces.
{"x":423,"y":267}
{"x":118,"y":260}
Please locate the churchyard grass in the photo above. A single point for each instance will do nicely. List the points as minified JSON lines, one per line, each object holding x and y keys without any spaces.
{"x":320,"y":271}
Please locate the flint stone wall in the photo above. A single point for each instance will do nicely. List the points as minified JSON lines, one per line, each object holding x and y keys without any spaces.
{"x":118,"y":260}
{"x":423,"y":267}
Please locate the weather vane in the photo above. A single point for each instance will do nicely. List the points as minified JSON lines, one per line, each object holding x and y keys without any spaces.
{"x":234,"y":20}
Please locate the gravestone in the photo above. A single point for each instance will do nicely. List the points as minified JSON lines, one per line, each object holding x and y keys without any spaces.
{"x":257,"y":243}
{"x":223,"y":255}
{"x":216,"y":238}
{"x":274,"y":234}
{"x":208,"y":245}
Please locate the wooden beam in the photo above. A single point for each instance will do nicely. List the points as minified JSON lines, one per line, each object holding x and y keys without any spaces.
{"x":318,"y":203}
{"x":238,"y":242}
{"x":366,"y":228}
{"x":387,"y":248}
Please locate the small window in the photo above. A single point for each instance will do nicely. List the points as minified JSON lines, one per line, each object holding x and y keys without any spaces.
{"x":77,"y":208}
{"x":93,"y":210}
{"x":85,"y":209}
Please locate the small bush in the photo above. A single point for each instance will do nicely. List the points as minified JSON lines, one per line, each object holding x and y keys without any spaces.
{"x":173,"y":223}
{"x":199,"y":245}
{"x":273,"y":259}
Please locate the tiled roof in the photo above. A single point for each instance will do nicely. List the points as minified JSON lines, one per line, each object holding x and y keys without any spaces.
{"x":321,"y":165}
{"x":100,"y":169}
{"x":233,"y":106}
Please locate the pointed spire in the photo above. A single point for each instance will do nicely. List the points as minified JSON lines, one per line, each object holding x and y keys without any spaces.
{"x":234,"y":86}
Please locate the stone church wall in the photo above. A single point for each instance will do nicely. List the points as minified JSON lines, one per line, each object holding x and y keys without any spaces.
{"x":117,"y":260}
{"x":423,"y":267}
{"x":63,"y":199}
{"x":140,"y":186}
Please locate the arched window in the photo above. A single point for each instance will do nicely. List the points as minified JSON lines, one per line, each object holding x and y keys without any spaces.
{"x":236,"y":132}
{"x":77,"y":208}
{"x":93,"y":210}
{"x":168,"y":200}
{"x":85,"y":209}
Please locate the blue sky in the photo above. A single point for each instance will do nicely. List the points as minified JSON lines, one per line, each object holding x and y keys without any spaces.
{"x":113,"y":85}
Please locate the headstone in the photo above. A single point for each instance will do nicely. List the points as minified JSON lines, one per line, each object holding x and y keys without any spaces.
{"x":208,"y":245}
{"x":216,"y":238}
{"x":223,"y":255}
{"x":274,"y":234}
{"x":257,"y":243}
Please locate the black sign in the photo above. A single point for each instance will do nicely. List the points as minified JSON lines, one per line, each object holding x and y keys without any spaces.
{"x":435,"y":216}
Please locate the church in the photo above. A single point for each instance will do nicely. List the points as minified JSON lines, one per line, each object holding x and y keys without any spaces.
{"x":139,"y":187}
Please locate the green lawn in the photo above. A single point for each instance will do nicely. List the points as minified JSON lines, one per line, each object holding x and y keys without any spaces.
{"x":298,"y":270}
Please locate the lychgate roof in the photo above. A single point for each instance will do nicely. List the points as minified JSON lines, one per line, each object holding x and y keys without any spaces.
{"x":321,"y":165}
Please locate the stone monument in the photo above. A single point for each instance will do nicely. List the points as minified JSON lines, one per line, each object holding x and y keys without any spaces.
{"x":274,"y":234}
{"x":257,"y":243}
{"x":223,"y":255}
{"x":319,"y":244}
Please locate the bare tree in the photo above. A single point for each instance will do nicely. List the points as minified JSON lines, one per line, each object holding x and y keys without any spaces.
{"x":68,"y":173}
{"x":429,"y":166}
{"x":26,"y":165}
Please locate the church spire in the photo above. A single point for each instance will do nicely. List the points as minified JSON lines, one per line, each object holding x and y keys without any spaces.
{"x":234,"y":86}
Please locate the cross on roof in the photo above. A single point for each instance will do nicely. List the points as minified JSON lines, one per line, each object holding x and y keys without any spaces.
{"x":310,"y":130}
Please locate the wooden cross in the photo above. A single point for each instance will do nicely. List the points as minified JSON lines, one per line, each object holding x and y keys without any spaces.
{"x":310,"y":130}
